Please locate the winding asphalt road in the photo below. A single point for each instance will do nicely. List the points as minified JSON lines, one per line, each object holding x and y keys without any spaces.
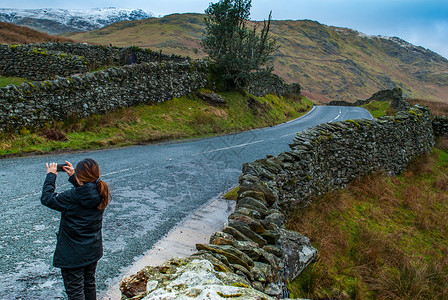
{"x":154,"y":187}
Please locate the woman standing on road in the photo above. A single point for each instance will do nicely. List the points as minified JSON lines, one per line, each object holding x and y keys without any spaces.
{"x":79,"y":240}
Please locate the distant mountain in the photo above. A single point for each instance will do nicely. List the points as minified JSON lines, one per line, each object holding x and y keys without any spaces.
{"x":330,"y":63}
{"x":55,"y":21}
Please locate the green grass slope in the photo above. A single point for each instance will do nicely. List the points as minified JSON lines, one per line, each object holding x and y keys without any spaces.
{"x":5,"y":80}
{"x":176,"y":119}
{"x":330,"y":63}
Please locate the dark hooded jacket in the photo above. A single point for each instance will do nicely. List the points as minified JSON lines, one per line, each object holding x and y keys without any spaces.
{"x":79,"y":240}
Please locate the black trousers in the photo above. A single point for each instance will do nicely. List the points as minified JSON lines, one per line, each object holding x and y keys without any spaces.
{"x":80,"y":282}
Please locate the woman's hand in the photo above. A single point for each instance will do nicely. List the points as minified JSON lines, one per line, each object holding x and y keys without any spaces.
{"x":69,"y":169}
{"x":52,"y":168}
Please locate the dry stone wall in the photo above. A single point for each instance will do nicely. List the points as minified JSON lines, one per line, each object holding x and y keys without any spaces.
{"x":46,"y":60}
{"x":33,"y":104}
{"x":263,"y":83}
{"x":67,"y":89}
{"x":394,"y":95}
{"x":254,"y":255}
{"x":100,"y":55}
{"x":251,"y":258}
{"x":37,"y":63}
{"x":440,"y":125}
{"x":331,"y":155}
{"x":142,"y":76}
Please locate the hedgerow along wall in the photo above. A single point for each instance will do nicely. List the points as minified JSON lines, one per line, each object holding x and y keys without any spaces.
{"x":254,"y":255}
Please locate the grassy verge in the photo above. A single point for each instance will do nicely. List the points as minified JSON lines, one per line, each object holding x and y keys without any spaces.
{"x":379,"y":108}
{"x":382,"y":108}
{"x":178,"y":118}
{"x":4,"y":81}
{"x":382,"y":238}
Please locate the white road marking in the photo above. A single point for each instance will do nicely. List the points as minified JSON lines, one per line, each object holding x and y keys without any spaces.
{"x":337,"y":117}
{"x":230,"y":147}
{"x":289,"y":134}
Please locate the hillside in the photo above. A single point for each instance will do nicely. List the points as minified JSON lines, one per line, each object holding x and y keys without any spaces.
{"x":13,"y":34}
{"x":330,"y":63}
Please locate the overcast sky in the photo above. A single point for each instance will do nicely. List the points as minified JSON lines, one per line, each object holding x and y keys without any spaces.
{"x":420,"y":22}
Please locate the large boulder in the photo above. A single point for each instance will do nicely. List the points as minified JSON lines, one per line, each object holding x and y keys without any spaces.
{"x":298,"y":253}
{"x":197,"y":279}
{"x":212,"y":98}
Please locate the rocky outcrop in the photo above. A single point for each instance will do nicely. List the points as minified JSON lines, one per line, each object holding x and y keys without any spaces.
{"x":212,"y":98}
{"x":188,"y":278}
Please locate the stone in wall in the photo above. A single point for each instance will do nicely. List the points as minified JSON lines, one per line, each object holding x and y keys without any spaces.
{"x":298,"y":253}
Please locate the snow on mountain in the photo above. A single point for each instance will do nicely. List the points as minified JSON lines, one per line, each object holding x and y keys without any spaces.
{"x":400,"y":42}
{"x":54,"y":20}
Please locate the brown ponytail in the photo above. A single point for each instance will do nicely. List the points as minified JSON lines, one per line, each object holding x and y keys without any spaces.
{"x":104,"y":193}
{"x":87,"y":171}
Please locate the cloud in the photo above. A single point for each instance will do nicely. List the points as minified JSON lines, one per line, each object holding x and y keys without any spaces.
{"x":432,"y":36}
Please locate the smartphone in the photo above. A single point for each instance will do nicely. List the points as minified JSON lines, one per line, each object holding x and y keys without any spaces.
{"x":59,"y":167}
